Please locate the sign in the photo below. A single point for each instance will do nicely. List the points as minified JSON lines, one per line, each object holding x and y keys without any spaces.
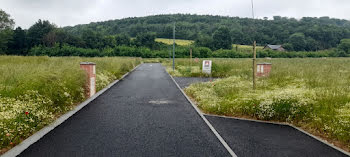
{"x":92,"y":86}
{"x":260,"y":69}
{"x":206,"y":68}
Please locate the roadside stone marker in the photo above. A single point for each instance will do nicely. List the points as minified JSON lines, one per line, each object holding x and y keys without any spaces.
{"x":90,"y":69}
{"x":206,"y":68}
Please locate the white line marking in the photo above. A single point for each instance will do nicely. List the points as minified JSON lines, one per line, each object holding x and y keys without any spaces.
{"x":41,"y":133}
{"x":223,"y":142}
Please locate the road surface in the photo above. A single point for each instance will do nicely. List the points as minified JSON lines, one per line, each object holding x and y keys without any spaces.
{"x":143,"y":115}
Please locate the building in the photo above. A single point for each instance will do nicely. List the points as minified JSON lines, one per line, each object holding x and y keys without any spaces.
{"x":274,"y":47}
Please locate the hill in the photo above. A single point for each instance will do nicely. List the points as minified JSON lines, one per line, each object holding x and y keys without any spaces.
{"x":308,"y":33}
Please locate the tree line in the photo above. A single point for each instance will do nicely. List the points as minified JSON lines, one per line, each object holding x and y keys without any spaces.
{"x":213,"y":37}
{"x":306,"y":34}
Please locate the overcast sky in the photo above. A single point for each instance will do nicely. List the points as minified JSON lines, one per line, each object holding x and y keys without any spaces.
{"x":72,"y":12}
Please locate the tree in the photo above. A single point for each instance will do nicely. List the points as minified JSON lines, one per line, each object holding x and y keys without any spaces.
{"x":5,"y":21}
{"x":109,"y":41}
{"x":204,"y":41}
{"x":311,"y":44}
{"x":92,"y":39}
{"x":344,"y":45}
{"x":19,"y":44}
{"x":5,"y":39}
{"x":6,"y":26}
{"x":122,"y":39}
{"x":37,"y":32}
{"x":222,"y":39}
{"x":298,"y":41}
{"x":325,"y":32}
{"x":145,"y":39}
{"x":288,"y":46}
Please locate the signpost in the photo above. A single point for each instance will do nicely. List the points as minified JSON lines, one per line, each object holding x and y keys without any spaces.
{"x":191,"y":60}
{"x":254,"y":65}
{"x":174,"y":48}
{"x":254,"y":53}
{"x":206,"y":68}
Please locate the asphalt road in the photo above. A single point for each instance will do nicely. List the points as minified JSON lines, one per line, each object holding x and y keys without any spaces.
{"x":254,"y":139}
{"x":143,"y":115}
{"x":146,"y":115}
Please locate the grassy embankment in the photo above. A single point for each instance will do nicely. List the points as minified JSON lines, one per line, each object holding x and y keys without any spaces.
{"x":34,"y":91}
{"x":309,"y":93}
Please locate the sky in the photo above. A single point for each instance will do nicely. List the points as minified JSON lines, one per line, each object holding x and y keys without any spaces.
{"x":73,"y":12}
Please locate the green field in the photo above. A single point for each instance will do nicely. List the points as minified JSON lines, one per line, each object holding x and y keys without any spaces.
{"x":309,"y":93}
{"x":177,"y":41}
{"x":34,"y":91}
{"x":182,"y":42}
{"x":247,"y":48}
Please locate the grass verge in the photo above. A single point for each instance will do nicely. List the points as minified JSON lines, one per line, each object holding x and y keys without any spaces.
{"x":34,"y":91}
{"x":310,"y":93}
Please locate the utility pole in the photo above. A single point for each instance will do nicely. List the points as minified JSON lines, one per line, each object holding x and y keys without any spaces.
{"x":169,"y":50}
{"x":191,"y":60}
{"x":174,"y":48}
{"x":254,"y":65}
{"x":254,"y":52}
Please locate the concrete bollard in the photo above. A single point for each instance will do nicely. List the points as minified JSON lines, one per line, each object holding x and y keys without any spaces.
{"x":263,"y":69}
{"x":90,"y":69}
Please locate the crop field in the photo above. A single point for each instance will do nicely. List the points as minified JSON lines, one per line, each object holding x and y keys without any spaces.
{"x":177,"y":41}
{"x":242,"y":48}
{"x":246,"y":48}
{"x":310,"y":93}
{"x":34,"y":91}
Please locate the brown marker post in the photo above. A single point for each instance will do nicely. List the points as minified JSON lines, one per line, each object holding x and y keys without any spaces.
{"x":90,"y":69}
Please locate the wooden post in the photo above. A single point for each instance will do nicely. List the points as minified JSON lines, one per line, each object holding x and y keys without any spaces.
{"x":254,"y":65}
{"x":191,"y":60}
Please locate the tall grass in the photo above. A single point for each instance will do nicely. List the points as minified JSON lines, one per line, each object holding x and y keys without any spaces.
{"x":311,"y":93}
{"x":36,"y":90}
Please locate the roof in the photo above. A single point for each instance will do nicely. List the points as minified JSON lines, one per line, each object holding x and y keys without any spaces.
{"x":265,"y":63}
{"x":87,"y":63}
{"x":274,"y":47}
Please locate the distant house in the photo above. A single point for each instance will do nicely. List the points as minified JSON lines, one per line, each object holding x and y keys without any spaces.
{"x":274,"y":47}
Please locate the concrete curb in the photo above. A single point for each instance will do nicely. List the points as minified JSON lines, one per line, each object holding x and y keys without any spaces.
{"x":41,"y":133}
{"x":223,"y":142}
{"x":285,"y":124}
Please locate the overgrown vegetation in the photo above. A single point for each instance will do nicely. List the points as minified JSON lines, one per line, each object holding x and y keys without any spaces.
{"x":36,"y":90}
{"x":311,"y":93}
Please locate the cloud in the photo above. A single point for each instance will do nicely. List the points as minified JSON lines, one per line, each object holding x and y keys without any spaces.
{"x":72,"y":12}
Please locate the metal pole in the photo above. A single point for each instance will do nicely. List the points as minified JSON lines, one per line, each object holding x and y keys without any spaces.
{"x":253,"y":9}
{"x":254,"y":65}
{"x":190,"y":59}
{"x":174,"y":48}
{"x":254,"y":53}
{"x":169,"y":50}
